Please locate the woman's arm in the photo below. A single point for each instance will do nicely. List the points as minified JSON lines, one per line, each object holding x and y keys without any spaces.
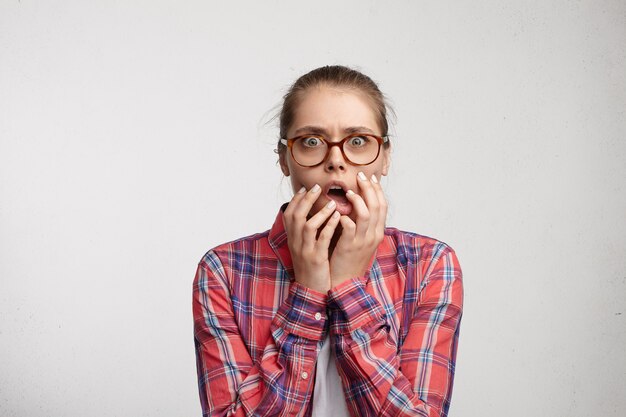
{"x":230,"y":384}
{"x":418,"y":380}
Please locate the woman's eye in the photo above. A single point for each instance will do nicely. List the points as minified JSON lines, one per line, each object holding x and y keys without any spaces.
{"x":311,"y":142}
{"x":358,"y":141}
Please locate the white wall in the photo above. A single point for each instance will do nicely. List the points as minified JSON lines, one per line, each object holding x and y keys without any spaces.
{"x":133,"y":139}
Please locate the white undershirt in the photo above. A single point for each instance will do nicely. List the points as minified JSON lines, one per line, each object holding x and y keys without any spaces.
{"x":328,"y":397}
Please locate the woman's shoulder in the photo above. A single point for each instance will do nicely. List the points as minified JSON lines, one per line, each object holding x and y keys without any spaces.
{"x":242,"y":247}
{"x":413,"y":247}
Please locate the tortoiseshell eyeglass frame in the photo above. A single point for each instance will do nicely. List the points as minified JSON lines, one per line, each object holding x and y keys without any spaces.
{"x":289,"y":143}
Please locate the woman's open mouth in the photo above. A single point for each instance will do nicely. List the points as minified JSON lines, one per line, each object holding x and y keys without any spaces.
{"x":337,"y":193}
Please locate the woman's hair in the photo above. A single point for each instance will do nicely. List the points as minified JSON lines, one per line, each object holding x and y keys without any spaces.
{"x":333,"y":76}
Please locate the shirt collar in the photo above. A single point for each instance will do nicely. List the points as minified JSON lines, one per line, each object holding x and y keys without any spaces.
{"x":278,"y":241}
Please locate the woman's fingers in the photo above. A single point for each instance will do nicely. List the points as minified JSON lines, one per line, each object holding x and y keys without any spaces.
{"x":308,"y":253}
{"x":302,"y":232}
{"x":362,"y":212}
{"x":382,"y":203}
{"x":328,"y":230}
{"x":295,"y":200}
{"x":298,"y":208}
{"x":366,"y":206}
{"x":370,"y":208}
{"x":369,"y":196}
{"x":310,"y":228}
{"x":349,"y":228}
{"x":304,"y":205}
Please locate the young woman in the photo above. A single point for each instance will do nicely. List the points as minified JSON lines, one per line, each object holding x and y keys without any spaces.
{"x":329,"y":313}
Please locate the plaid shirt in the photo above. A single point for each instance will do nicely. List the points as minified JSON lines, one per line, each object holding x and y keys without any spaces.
{"x":394,"y":331}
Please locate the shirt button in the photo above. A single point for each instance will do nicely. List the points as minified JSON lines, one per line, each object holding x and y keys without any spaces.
{"x":318,"y":316}
{"x":305,"y":375}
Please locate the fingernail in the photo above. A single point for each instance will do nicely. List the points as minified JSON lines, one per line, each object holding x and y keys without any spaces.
{"x":301,"y":190}
{"x":349,"y":192}
{"x":374,"y":179}
{"x":315,"y":188}
{"x":362,"y":176}
{"x":331,"y":204}
{"x":335,"y":215}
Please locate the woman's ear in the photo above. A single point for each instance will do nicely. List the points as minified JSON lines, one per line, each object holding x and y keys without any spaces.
{"x":386,"y":160}
{"x":283,"y":163}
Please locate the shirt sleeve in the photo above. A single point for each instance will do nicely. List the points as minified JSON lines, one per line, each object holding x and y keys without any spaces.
{"x":229,"y":382}
{"x":415,"y":379}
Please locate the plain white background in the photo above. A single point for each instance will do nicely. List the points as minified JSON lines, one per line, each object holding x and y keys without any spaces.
{"x":134,"y":136}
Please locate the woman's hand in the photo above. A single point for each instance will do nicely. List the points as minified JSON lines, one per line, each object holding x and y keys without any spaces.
{"x":308,"y":243}
{"x":358,"y":242}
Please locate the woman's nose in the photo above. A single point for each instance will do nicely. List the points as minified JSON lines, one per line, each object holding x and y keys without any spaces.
{"x":335,"y":160}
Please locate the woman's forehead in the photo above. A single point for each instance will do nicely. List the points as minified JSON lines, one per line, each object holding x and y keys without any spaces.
{"x":328,"y":110}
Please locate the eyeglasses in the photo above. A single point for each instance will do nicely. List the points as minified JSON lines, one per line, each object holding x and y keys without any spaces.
{"x":357,"y":148}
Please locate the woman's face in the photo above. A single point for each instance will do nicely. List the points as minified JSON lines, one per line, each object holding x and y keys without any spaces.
{"x":334,"y":113}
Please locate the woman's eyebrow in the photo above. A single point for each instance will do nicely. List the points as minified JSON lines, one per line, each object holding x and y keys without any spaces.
{"x":358,"y":129}
{"x":317,"y":130}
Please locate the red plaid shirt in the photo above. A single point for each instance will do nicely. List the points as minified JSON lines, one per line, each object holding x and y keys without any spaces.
{"x":394,"y":330}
